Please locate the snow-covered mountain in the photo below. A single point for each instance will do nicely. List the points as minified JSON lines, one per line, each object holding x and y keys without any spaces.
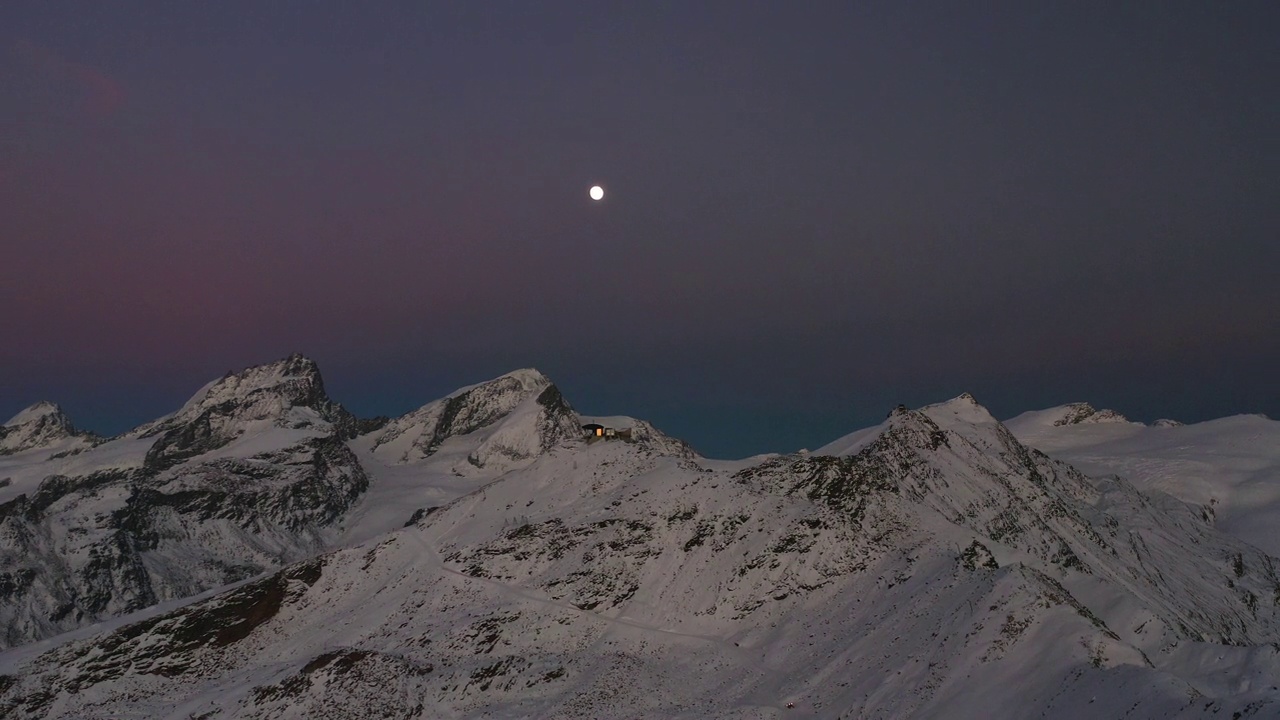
{"x":521,"y":414}
{"x":286,"y":395}
{"x":1066,"y":415}
{"x":258,"y":469}
{"x":1228,"y":469}
{"x":247,"y":475}
{"x":932,"y":567}
{"x":43,"y":426}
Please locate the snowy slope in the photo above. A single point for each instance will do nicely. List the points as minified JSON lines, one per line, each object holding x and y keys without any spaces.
{"x":449,"y":447}
{"x":452,"y":446}
{"x":258,"y":469}
{"x":284,"y":395}
{"x":41,"y":427}
{"x":1229,"y":469}
{"x":1066,"y":416}
{"x":250,"y":474}
{"x":938,"y":568}
{"x":533,"y":415}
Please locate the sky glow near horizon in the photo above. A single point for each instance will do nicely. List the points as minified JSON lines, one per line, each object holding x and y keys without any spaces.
{"x":813,"y":213}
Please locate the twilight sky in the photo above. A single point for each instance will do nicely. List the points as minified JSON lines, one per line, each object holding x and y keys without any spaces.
{"x":815,"y":210}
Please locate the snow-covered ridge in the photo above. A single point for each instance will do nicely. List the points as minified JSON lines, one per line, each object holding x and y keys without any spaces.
{"x":479,"y":557}
{"x":288,"y":394}
{"x":644,"y":433}
{"x":42,"y":425}
{"x":961,"y":410}
{"x":37,"y":411}
{"x":1065,"y":415}
{"x":942,"y":570}
{"x":1229,"y":468}
{"x":513,"y":417}
{"x":528,"y":380}
{"x":281,"y":393}
{"x":257,"y":469}
{"x":252,"y":472}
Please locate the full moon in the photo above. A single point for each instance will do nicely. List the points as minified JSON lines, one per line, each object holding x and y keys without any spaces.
{"x":597,"y":192}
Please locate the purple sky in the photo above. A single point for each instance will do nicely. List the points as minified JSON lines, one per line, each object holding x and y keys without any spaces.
{"x":816,"y":210}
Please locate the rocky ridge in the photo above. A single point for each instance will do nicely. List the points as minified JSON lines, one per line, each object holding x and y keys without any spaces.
{"x":256,"y":470}
{"x":160,"y":513}
{"x":939,"y":557}
{"x":523,"y":411}
{"x":42,"y":425}
{"x":1077,"y":413}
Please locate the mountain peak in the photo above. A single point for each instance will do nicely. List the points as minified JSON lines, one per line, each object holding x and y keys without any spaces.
{"x":42,"y":409}
{"x":39,"y":425}
{"x":524,"y":381}
{"x":1034,"y":426}
{"x":959,"y":413}
{"x":294,"y":366}
{"x":1077,"y":413}
{"x":287,"y":393}
{"x":298,"y":364}
{"x":292,"y":382}
{"x":521,"y":413}
{"x":531,"y":376}
{"x":961,"y":409}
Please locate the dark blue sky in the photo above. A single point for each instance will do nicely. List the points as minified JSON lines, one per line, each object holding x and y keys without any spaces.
{"x":816,"y":210}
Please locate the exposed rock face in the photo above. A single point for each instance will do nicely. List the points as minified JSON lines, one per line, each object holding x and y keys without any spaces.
{"x":654,"y":439}
{"x":39,"y":426}
{"x":906,"y":569}
{"x":286,"y":394}
{"x":82,"y":549}
{"x":251,"y":473}
{"x":956,"y":459}
{"x":1077,"y":413}
{"x":938,"y":557}
{"x":514,"y":418}
{"x":254,"y":471}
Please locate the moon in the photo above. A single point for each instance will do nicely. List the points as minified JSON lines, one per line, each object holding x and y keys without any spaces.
{"x":597,"y":193}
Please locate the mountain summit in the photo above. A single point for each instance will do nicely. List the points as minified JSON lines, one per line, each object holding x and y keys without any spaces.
{"x":483,"y":557}
{"x":259,"y":468}
{"x":513,"y":417}
{"x":250,"y":473}
{"x":41,"y":425}
{"x":1065,"y":415}
{"x":285,"y":394}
